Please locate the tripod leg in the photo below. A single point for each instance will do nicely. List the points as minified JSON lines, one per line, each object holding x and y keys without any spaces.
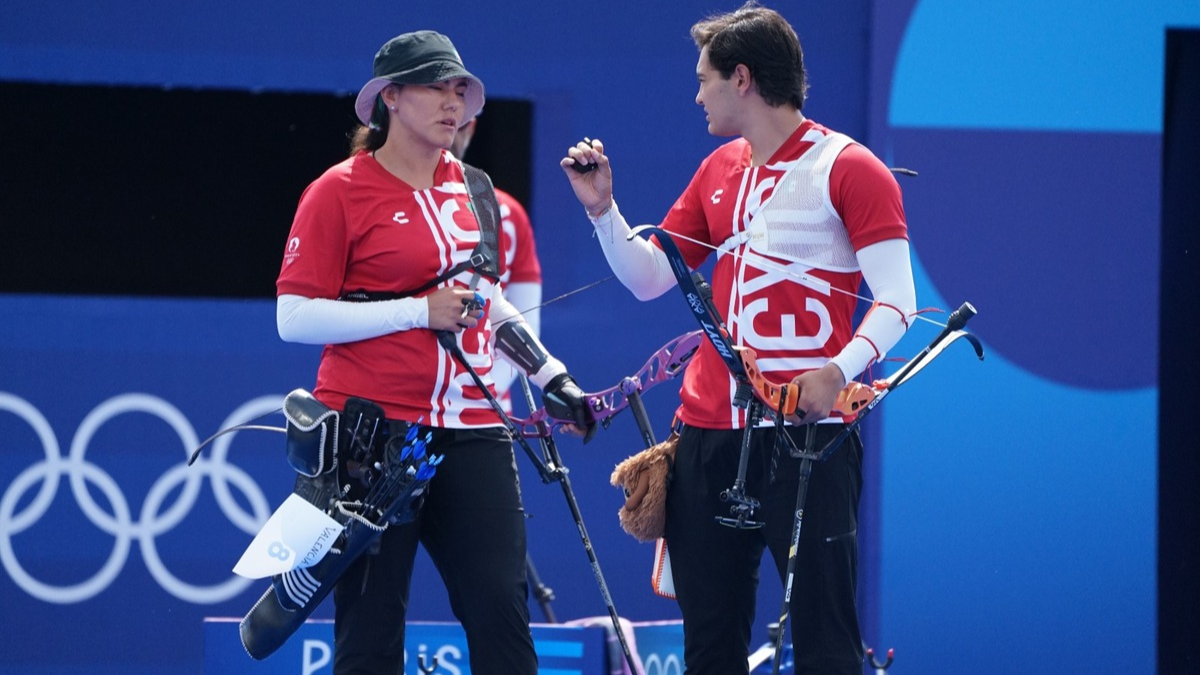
{"x":541,"y":592}
{"x":744,"y":506}
{"x":794,"y":547}
{"x":552,"y":451}
{"x":641,"y":417}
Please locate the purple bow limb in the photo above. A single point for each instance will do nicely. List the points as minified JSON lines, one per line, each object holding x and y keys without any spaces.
{"x":666,"y":363}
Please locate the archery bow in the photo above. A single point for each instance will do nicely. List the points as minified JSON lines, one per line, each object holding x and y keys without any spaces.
{"x":663,"y":365}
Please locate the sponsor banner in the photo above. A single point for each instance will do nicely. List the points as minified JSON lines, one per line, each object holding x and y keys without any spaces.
{"x":434,"y":648}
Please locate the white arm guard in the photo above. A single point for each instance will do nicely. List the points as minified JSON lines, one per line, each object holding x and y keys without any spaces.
{"x":640,"y":265}
{"x":319,"y":321}
{"x":887,"y":269}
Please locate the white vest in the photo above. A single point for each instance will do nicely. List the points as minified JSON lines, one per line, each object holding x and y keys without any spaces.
{"x":798,"y":223}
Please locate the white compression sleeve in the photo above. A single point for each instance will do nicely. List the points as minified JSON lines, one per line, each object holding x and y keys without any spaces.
{"x":887,"y":269}
{"x":640,"y":265}
{"x":526,"y":296}
{"x":319,"y":321}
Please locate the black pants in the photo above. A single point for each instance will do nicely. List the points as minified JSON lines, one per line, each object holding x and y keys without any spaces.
{"x":715,"y":567}
{"x":472,"y":525}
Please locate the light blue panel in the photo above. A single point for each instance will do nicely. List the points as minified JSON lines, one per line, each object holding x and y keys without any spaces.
{"x":1092,"y":65}
{"x":1019,"y":518}
{"x":557,"y":648}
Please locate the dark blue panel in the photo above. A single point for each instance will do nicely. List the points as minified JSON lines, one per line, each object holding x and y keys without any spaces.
{"x":1054,"y":236}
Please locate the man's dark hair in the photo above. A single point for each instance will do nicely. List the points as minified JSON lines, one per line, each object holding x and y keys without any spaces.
{"x":765,"y":43}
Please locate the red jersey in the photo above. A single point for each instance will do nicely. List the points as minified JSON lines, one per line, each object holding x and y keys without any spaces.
{"x":793,"y":326}
{"x":516,"y":243}
{"x":358,"y":227}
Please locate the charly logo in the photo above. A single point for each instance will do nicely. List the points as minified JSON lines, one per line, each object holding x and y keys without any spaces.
{"x":153,"y":521}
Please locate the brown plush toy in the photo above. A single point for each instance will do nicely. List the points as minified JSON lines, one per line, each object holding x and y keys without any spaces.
{"x":644,"y":478}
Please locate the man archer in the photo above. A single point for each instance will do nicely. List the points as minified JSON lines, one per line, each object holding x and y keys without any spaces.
{"x":800,"y":216}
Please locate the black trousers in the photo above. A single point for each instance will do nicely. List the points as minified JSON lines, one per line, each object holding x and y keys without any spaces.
{"x":715,"y":567}
{"x":472,"y":525}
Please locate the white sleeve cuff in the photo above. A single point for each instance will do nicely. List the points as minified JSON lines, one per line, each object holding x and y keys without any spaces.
{"x":321,"y":321}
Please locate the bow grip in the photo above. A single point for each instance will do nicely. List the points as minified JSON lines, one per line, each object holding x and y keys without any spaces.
{"x":850,"y":400}
{"x":781,"y":397}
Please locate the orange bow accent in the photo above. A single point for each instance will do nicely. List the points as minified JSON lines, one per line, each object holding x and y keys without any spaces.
{"x":783,"y":397}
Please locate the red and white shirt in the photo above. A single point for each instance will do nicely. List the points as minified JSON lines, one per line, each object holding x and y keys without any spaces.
{"x":358,"y":227}
{"x":516,"y":243}
{"x":793,"y":326}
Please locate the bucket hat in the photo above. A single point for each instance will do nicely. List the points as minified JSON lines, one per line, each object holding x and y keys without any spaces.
{"x":422,"y":57}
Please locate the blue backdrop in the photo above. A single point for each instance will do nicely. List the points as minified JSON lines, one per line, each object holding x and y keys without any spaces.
{"x":1020,"y":498}
{"x":1015,"y":499}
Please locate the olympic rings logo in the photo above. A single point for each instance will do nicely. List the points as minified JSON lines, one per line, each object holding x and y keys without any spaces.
{"x":153,"y":520}
{"x":658,"y":664}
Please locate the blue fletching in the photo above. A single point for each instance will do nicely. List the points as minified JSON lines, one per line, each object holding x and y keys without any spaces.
{"x":426,"y":471}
